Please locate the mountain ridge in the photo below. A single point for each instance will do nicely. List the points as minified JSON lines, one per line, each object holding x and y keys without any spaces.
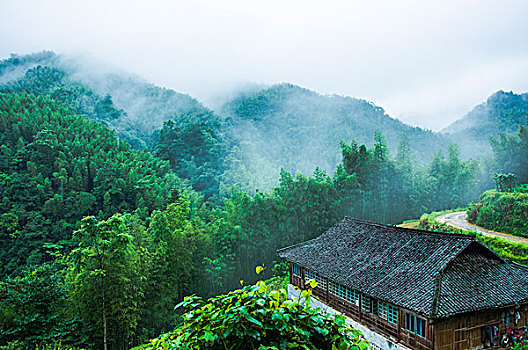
{"x":266,"y":128}
{"x":502,"y":112}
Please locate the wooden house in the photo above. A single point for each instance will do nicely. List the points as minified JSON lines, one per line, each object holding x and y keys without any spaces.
{"x":416,"y":289}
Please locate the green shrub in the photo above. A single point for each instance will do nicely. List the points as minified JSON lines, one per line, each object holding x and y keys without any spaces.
{"x":521,"y":346}
{"x":502,"y":211}
{"x":256,"y":318}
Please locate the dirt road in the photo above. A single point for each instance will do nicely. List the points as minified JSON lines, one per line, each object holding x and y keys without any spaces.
{"x":458,"y":220}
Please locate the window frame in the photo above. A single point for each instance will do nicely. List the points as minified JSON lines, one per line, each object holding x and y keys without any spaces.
{"x":374,"y":306}
{"x":383,"y":310}
{"x":423,"y":327}
{"x":322,"y":282}
{"x":410,"y":322}
{"x":354,"y":297}
{"x":366,"y":303}
{"x":346,"y":293}
{"x":393,"y":313}
{"x":506,"y":317}
{"x":298,"y":268}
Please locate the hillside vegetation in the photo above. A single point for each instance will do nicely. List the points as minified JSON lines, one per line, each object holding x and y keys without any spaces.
{"x":503,"y":112}
{"x":502,"y":211}
{"x":285,"y":126}
{"x":98,"y":237}
{"x":514,"y":251}
{"x":57,"y":167}
{"x":190,"y":140}
{"x":248,"y":140}
{"x":506,"y":211}
{"x":137,"y":108}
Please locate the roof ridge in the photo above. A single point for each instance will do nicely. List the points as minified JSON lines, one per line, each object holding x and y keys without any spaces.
{"x":437,"y":291}
{"x":524,"y":267}
{"x":295,"y":245}
{"x":416,"y":230}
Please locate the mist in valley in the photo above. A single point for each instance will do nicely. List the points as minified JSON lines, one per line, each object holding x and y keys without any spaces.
{"x":195,"y":139}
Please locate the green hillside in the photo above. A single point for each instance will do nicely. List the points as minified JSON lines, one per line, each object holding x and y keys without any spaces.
{"x":140,"y":108}
{"x":253,"y":135}
{"x":503,"y":112}
{"x":57,"y":167}
{"x":190,"y":140}
{"x":502,"y":211}
{"x":298,"y":129}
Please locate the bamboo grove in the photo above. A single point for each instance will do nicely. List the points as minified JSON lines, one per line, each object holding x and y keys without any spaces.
{"x":99,"y":241}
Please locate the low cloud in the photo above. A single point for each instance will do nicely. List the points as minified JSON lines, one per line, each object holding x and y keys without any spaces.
{"x":427,"y":62}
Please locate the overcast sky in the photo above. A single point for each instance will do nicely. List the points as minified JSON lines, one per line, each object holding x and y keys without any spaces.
{"x":425,"y":62}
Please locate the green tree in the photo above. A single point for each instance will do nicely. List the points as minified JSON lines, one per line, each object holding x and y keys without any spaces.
{"x":32,"y":309}
{"x":105,"y":281}
{"x":511,"y":154}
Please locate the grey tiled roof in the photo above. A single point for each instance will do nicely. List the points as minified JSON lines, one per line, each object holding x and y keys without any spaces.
{"x":413,"y":269}
{"x":472,"y":282}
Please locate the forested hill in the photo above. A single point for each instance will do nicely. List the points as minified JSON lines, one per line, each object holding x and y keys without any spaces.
{"x":295,"y":128}
{"x":141,"y":108}
{"x":56,"y":168}
{"x":134,"y":109}
{"x":251,"y":137}
{"x":503,"y":112}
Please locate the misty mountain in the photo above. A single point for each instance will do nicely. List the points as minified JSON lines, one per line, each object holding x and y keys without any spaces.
{"x":298,"y":129}
{"x":503,"y":112}
{"x":140,"y":108}
{"x":249,"y":138}
{"x":174,"y":126}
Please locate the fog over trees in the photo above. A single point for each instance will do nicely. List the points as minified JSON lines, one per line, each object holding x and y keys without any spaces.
{"x":120,"y":197}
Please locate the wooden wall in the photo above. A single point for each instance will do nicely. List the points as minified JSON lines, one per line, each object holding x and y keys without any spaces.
{"x":465,"y":331}
{"x":454,"y":333}
{"x":396,"y":333}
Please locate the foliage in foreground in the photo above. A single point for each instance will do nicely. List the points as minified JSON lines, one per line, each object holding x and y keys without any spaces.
{"x":254,"y":317}
{"x":32,"y":311}
{"x":521,"y":346}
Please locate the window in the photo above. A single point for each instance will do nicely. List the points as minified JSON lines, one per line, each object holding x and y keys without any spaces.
{"x":343,"y":292}
{"x":353,"y":296}
{"x":366,"y":303}
{"x":296,"y":270}
{"x":421,"y":327}
{"x":505,"y":317}
{"x":338,"y":289}
{"x":410,"y":322}
{"x":333,"y":288}
{"x":310,"y":275}
{"x":383,"y":309}
{"x":375,"y":306}
{"x":393,"y":314}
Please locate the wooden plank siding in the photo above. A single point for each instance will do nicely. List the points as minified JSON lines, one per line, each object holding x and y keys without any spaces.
{"x":465,"y":331}
{"x":396,"y":333}
{"x":458,"y":332}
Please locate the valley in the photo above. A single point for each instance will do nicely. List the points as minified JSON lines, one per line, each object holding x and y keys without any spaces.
{"x":122,"y":197}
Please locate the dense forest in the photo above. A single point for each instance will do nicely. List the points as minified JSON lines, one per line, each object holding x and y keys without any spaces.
{"x":104,"y":228}
{"x":306,"y":129}
{"x":503,"y":211}
{"x":502,"y":113}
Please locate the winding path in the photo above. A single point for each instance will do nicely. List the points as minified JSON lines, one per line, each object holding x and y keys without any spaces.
{"x":459,"y":220}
